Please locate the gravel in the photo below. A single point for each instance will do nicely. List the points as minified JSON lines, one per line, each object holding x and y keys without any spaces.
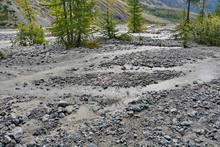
{"x":40,"y":106}
{"x":125,"y":79}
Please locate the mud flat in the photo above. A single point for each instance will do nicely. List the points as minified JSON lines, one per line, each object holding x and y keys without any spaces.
{"x":151,"y":92}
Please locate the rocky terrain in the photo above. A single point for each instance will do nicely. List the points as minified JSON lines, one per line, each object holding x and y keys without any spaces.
{"x":149,"y":92}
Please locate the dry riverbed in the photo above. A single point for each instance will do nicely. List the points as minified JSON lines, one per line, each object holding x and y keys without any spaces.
{"x":142,"y":93}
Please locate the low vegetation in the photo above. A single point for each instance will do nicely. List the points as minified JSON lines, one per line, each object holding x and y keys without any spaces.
{"x":2,"y":55}
{"x":107,"y":23}
{"x":203,"y":32}
{"x":136,"y":22}
{"x":125,"y":37}
{"x":30,"y":34}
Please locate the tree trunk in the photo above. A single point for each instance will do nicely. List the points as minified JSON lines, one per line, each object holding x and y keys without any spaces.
{"x":188,"y":11}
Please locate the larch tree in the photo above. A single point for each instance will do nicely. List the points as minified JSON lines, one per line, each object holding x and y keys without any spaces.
{"x":188,"y":7}
{"x":30,"y":33}
{"x":217,"y":10}
{"x":28,"y":11}
{"x":73,"y":21}
{"x":107,"y":23}
{"x":136,"y":20}
{"x":202,"y":5}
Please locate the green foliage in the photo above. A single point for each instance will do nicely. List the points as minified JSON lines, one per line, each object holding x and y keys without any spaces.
{"x":30,"y":35}
{"x":141,"y":37}
{"x":188,"y":7}
{"x":3,"y":23}
{"x":2,"y":55}
{"x":184,"y":33}
{"x":202,"y":5}
{"x":135,"y":21}
{"x":107,"y":24}
{"x":208,"y":31}
{"x":73,"y":21}
{"x":9,"y":2}
{"x":168,"y":14}
{"x":217,"y":11}
{"x":125,"y":37}
{"x":203,"y":32}
{"x":93,"y":44}
{"x":29,"y":12}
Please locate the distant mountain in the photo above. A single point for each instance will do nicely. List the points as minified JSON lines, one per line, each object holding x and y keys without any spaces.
{"x":181,"y":4}
{"x":155,"y":11}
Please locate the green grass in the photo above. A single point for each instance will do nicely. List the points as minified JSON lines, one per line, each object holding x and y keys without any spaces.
{"x":171,"y":14}
{"x":168,"y":14}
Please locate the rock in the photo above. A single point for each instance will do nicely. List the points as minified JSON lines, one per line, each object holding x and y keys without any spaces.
{"x":123,"y":68}
{"x":17,"y":133}
{"x":61,"y":115}
{"x":186,"y":123}
{"x":45,"y":117}
{"x":31,"y":144}
{"x":12,"y":116}
{"x":92,"y":145}
{"x":217,"y":123}
{"x":130,"y":113}
{"x":63,"y":103}
{"x":2,"y":113}
{"x":173,"y":110}
{"x":7,"y":139}
{"x":167,"y":137}
{"x":17,"y":122}
{"x":74,"y":69}
{"x":195,"y":82}
{"x":193,"y":114}
{"x":11,"y":144}
{"x":12,"y":126}
{"x":1,"y":126}
{"x":150,"y":66}
{"x":136,"y":109}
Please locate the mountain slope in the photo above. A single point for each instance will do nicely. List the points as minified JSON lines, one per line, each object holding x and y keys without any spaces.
{"x":11,"y":14}
{"x":181,"y":4}
{"x":165,"y":11}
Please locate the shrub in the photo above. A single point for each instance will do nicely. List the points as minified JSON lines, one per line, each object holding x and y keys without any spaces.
{"x":141,"y":37}
{"x":30,"y":35}
{"x":203,"y":32}
{"x":2,"y":55}
{"x":208,"y":31}
{"x":184,"y":33}
{"x":93,"y":44}
{"x":125,"y":37}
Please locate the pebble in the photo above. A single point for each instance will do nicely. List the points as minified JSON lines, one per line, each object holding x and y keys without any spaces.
{"x":167,"y":137}
{"x":63,"y":103}
{"x":45,"y":117}
{"x":186,"y":123}
{"x":193,"y":113}
{"x":17,"y":133}
{"x":7,"y":139}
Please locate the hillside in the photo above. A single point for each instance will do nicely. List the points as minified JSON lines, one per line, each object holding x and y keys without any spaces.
{"x":11,"y":13}
{"x":181,"y":4}
{"x":162,"y":11}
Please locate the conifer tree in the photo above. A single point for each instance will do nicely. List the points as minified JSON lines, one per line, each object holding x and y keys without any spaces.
{"x":202,"y":5}
{"x":29,"y":12}
{"x":107,"y":23}
{"x":73,"y":20}
{"x":30,"y":33}
{"x":188,"y":7}
{"x":136,"y":21}
{"x":217,"y":10}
